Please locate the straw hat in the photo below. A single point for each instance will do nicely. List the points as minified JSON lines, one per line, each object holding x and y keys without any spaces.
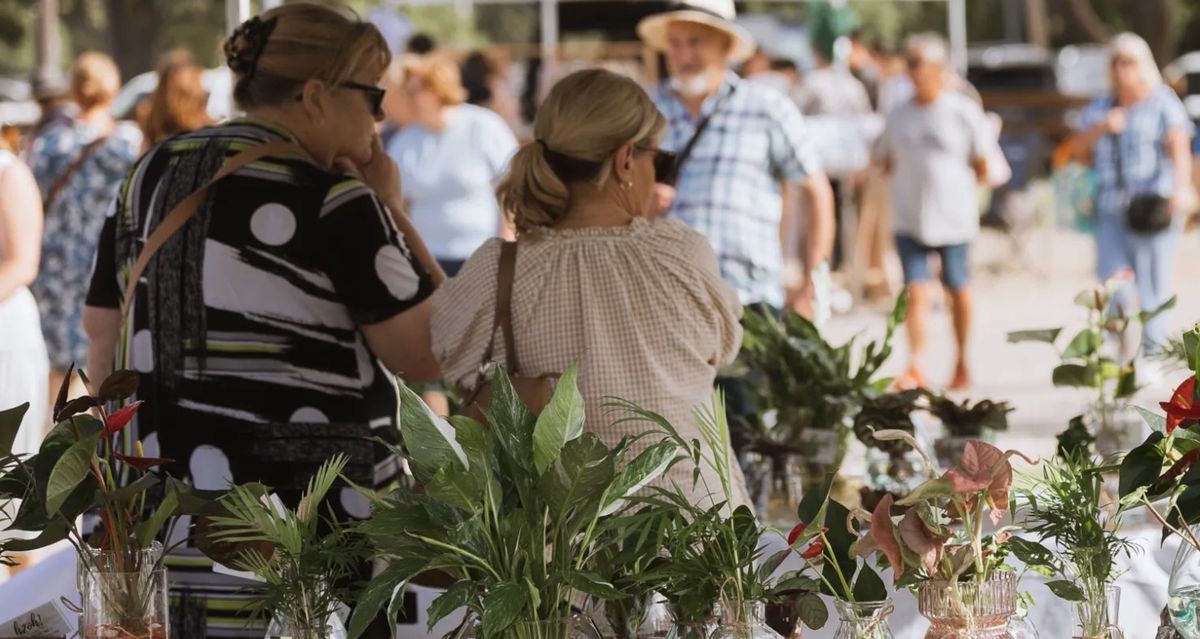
{"x":717,"y":14}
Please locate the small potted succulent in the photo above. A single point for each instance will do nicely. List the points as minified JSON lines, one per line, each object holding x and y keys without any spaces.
{"x":935,"y":541}
{"x":965,"y":421}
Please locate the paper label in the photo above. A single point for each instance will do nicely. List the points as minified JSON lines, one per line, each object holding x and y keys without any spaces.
{"x":44,"y":621}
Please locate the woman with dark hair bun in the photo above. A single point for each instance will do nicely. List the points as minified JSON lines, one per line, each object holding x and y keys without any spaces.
{"x":268,"y":327}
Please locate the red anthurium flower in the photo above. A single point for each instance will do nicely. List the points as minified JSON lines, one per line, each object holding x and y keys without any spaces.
{"x":142,"y":463}
{"x":1182,"y":409}
{"x":120,"y":419}
{"x":796,"y":532}
{"x":814,"y":550}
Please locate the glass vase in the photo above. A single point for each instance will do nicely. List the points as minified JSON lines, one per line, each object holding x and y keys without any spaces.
{"x":1099,"y":614}
{"x":969,"y":609}
{"x":693,"y":629}
{"x":284,"y":628}
{"x":1183,"y":588}
{"x":745,"y":621}
{"x":863,"y":620}
{"x":124,"y":594}
{"x":574,"y":627}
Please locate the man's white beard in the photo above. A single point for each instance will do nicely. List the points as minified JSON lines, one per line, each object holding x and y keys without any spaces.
{"x":692,"y":86}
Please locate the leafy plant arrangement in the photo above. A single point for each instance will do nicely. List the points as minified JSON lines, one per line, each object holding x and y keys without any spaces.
{"x":1084,"y":362}
{"x":713,"y":558}
{"x":810,"y":382}
{"x":939,"y":537}
{"x":625,"y":555}
{"x":969,"y":419}
{"x":307,"y":563}
{"x":85,"y":465}
{"x":825,"y":537}
{"x":1067,"y":510}
{"x":515,"y":514}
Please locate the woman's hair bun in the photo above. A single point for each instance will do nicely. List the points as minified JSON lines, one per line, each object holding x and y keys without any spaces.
{"x":246,"y":44}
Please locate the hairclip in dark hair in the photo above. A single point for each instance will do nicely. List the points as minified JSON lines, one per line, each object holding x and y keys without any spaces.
{"x":567,"y":168}
{"x":246,"y":44}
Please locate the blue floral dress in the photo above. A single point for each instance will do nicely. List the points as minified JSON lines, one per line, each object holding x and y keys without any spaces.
{"x":73,"y":223}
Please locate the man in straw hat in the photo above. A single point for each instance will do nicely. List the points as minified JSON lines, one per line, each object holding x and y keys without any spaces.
{"x":738,"y":144}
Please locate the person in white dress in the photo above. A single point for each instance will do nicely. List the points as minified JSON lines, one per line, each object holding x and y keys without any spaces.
{"x":639,"y":303}
{"x":24,"y":364}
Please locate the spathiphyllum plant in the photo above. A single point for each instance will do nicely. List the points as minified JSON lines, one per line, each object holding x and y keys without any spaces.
{"x":517,"y":514}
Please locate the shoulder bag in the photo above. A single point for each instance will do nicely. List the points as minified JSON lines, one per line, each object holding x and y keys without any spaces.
{"x":1144,"y":214}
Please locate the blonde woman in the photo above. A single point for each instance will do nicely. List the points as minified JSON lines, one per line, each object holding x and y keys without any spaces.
{"x":639,"y":303}
{"x":78,"y":165}
{"x":268,"y":329}
{"x":1138,"y":139}
{"x":450,"y":154}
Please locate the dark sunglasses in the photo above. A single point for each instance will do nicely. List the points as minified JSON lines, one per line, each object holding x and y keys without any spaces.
{"x":374,"y":95}
{"x":664,"y":165}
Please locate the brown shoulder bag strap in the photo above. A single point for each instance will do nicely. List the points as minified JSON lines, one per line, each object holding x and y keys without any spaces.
{"x":508,"y":268}
{"x":61,"y":183}
{"x":187,"y":208}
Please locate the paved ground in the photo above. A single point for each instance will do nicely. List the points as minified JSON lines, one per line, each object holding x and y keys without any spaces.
{"x":1033,"y":289}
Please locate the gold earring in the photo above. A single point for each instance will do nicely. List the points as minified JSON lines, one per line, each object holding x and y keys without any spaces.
{"x":627,"y":185}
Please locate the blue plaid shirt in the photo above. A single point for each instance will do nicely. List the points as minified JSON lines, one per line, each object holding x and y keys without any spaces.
{"x":729,"y":188}
{"x":1146,"y":168}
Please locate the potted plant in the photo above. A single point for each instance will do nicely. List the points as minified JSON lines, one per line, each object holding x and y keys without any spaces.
{"x":1067,"y":510}
{"x":964,"y":421}
{"x":712,"y":569}
{"x":513,"y":514}
{"x":895,"y":469}
{"x":936,"y":543}
{"x":810,"y":391}
{"x":1162,"y":472}
{"x":304,"y":561}
{"x":86,"y":465}
{"x":825,"y":538}
{"x":1085,"y":362}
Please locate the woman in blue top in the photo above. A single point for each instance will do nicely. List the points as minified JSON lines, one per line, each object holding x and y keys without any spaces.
{"x":450,"y":157}
{"x":1138,"y":140}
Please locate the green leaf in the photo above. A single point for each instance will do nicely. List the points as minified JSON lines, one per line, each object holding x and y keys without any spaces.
{"x":560,"y":422}
{"x":1146,"y":316}
{"x":502,"y":606}
{"x":71,"y":468}
{"x":429,"y":439}
{"x":1083,"y":345}
{"x":148,"y":530}
{"x":930,"y":489}
{"x":10,"y":423}
{"x":1065,"y":590}
{"x":1156,"y":422}
{"x":1141,"y":466}
{"x":811,"y":611}
{"x":511,"y":424}
{"x":868,"y":586}
{"x":1127,"y":384}
{"x":580,"y":474}
{"x":1074,"y":375}
{"x":1191,"y":347}
{"x":455,"y":597}
{"x":1046,"y":335}
{"x":592,"y":584}
{"x":54,"y":532}
{"x":456,"y":487}
{"x":645,"y":468}
{"x":384,"y":588}
{"x":1032,"y":553}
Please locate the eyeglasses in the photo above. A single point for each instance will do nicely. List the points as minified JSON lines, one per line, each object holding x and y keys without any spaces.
{"x":664,"y":164}
{"x":374,"y":95}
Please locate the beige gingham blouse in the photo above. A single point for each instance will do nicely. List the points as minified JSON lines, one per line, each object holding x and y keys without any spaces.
{"x":641,"y":307}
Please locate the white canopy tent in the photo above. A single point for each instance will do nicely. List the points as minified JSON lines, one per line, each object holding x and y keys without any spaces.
{"x":237,"y":11}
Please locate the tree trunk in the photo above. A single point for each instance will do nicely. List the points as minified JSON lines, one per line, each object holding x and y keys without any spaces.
{"x":1154,"y":21}
{"x":134,"y":27}
{"x":1082,"y":15}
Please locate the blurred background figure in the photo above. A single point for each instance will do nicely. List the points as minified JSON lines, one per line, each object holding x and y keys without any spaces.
{"x":1139,"y":141}
{"x":485,"y":76}
{"x":51,"y":92}
{"x":78,"y":165}
{"x":178,"y":103}
{"x":421,"y":44}
{"x":395,"y":104}
{"x":934,"y":148}
{"x":451,"y":155}
{"x":23,"y":363}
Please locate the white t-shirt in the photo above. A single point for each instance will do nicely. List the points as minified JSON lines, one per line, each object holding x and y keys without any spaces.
{"x":449,"y":178}
{"x":932,"y":149}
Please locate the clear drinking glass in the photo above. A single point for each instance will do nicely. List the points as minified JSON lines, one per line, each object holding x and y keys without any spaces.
{"x":1099,"y":614}
{"x":863,"y":620}
{"x":123,"y":594}
{"x":748,"y":621}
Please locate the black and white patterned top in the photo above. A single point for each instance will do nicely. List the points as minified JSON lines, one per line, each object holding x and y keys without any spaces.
{"x":246,"y":325}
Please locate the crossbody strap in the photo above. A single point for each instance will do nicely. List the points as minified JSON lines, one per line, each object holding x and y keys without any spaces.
{"x":686,"y":152}
{"x":502,"y":317}
{"x":65,"y":177}
{"x":187,"y":208}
